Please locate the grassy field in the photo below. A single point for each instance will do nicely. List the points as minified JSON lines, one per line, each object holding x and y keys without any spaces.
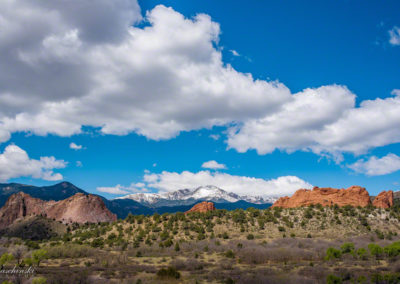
{"x":303,"y":245}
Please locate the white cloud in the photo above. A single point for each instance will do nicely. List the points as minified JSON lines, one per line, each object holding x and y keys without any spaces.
{"x":213,"y":165}
{"x":162,"y":79}
{"x":15,"y":162}
{"x":171,"y":181}
{"x":375,"y":166}
{"x":215,"y":136}
{"x":156,"y":81}
{"x":75,"y":146}
{"x":119,"y":189}
{"x":394,"y":36}
{"x":79,"y":164}
{"x":234,"y":52}
{"x":322,"y":120}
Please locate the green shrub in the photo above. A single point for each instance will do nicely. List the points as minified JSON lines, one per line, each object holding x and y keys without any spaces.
{"x":168,"y":243}
{"x":230,"y":254}
{"x":347,"y":247}
{"x":332,"y":253}
{"x":5,"y":257}
{"x":375,"y":250}
{"x":393,"y":249}
{"x":332,"y":279}
{"x":27,"y":261}
{"x":39,"y":280}
{"x":250,"y":237}
{"x":362,"y":253}
{"x":39,"y":255}
{"x":169,"y":272}
{"x":97,"y":242}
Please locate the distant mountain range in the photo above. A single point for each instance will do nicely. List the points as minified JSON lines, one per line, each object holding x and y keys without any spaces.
{"x":191,"y":196}
{"x":143,"y":203}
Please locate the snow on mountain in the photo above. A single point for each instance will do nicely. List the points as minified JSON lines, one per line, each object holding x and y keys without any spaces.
{"x":209,"y":193}
{"x":147,"y":198}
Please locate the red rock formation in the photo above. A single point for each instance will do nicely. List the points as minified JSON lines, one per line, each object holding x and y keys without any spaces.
{"x":354,"y":195}
{"x":78,"y":208}
{"x":384,"y":199}
{"x":202,"y":207}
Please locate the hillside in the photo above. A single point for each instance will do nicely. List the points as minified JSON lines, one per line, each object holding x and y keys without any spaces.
{"x":311,"y":244}
{"x":79,"y":208}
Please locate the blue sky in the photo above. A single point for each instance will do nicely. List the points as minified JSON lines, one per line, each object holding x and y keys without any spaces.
{"x":342,"y":51}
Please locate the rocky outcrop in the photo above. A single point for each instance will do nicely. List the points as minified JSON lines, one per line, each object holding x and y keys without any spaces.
{"x":354,"y":195}
{"x":78,"y":208}
{"x":384,"y":199}
{"x":202,"y":207}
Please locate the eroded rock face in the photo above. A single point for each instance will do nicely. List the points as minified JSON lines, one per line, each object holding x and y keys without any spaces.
{"x":354,"y":195}
{"x":79,"y":208}
{"x":384,"y":199}
{"x":202,"y":207}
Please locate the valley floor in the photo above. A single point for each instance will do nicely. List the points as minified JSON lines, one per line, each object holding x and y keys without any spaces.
{"x":304,"y":245}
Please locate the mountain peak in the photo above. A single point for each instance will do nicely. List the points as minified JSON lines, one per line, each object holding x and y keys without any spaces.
{"x":190,"y":196}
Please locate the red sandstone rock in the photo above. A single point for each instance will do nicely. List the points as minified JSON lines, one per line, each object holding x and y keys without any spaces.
{"x":354,"y":195}
{"x":384,"y":199}
{"x":202,"y":207}
{"x":79,"y":208}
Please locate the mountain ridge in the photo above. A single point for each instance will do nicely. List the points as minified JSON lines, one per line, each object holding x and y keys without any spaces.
{"x":120,"y":207}
{"x":191,"y":196}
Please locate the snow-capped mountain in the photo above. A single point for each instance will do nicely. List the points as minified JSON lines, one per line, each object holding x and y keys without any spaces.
{"x":190,"y":196}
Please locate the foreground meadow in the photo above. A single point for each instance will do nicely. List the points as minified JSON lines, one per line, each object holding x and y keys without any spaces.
{"x":305,"y":245}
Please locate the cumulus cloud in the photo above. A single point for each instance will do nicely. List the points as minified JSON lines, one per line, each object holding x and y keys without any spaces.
{"x":213,"y":165}
{"x":242,"y":185}
{"x":119,"y":189}
{"x":322,"y":120}
{"x":156,"y":81}
{"x":163,"y":78}
{"x":375,"y":166}
{"x":394,"y":36}
{"x":79,"y":164}
{"x":75,"y":146}
{"x":15,"y":162}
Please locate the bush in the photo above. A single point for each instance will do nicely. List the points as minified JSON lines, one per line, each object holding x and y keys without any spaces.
{"x":5,"y":257}
{"x":375,"y":250}
{"x":39,"y":280}
{"x":70,"y":251}
{"x":332,"y":253}
{"x":250,"y":237}
{"x":332,"y":279}
{"x":362,"y":253}
{"x":98,"y":242}
{"x":347,"y":247}
{"x":230,"y":254}
{"x":39,"y":255}
{"x":393,"y":249}
{"x":169,"y":272}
